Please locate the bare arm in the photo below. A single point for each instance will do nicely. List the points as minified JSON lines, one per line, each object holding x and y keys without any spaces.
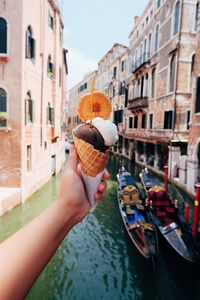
{"x":25,"y":254}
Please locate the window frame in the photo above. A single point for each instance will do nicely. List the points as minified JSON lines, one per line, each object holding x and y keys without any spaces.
{"x":177,"y":27}
{"x":7,"y":37}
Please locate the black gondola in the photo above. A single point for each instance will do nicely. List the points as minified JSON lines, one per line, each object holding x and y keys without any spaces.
{"x":138,"y":220}
{"x":169,"y":220}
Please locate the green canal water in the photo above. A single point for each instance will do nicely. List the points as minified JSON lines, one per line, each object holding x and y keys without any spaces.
{"x":97,"y":259}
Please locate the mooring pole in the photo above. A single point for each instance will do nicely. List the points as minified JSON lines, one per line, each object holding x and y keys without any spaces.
{"x":196,"y":210}
{"x":166,"y":178}
{"x":186,"y":211}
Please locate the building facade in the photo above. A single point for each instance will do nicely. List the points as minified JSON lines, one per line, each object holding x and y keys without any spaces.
{"x":193,"y":164}
{"x":80,"y":89}
{"x":162,"y":46}
{"x":31,"y":96}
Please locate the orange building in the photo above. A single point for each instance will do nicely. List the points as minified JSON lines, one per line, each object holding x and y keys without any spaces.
{"x":31,"y":96}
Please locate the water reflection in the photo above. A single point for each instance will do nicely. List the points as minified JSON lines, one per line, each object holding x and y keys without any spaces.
{"x":97,"y":260}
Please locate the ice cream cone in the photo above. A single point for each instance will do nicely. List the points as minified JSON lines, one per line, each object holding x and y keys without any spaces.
{"x":92,"y":163}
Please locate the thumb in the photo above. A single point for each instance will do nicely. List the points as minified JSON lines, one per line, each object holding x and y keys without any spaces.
{"x":72,"y":161}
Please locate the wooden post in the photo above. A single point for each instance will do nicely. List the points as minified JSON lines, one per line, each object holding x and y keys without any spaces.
{"x":196,"y":210}
{"x":186,"y":211}
{"x":166,"y":178}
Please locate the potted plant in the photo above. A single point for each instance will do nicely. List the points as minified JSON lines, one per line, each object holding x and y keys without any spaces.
{"x":3,"y":118}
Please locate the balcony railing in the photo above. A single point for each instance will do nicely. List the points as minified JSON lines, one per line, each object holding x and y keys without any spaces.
{"x":139,"y":102}
{"x":144,"y":58}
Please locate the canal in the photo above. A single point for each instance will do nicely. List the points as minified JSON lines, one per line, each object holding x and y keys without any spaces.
{"x":97,"y":259}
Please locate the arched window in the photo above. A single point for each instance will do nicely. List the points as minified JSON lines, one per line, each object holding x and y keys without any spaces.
{"x":149,"y":48}
{"x":196,"y":17}
{"x":157,"y":38}
{"x":30,"y":43}
{"x":3,"y":36}
{"x":176,"y":18}
{"x":3,"y":108}
{"x":28,"y":108}
{"x":192,"y":64}
{"x":153,"y":83}
{"x":136,"y":121}
{"x":143,"y":121}
{"x":172,"y":73}
{"x":49,"y":67}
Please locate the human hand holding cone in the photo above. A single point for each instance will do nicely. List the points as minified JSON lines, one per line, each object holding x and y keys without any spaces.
{"x":93,"y":140}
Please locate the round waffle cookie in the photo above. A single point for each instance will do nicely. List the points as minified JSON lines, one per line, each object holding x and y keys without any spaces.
{"x":93,"y":105}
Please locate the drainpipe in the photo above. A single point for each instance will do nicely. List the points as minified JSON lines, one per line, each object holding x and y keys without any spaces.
{"x":176,"y":85}
{"x":42,"y":35}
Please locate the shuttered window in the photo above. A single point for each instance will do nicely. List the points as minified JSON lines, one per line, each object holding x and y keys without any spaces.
{"x":197,"y":104}
{"x":30,"y":44}
{"x":3,"y":108}
{"x":3,"y":36}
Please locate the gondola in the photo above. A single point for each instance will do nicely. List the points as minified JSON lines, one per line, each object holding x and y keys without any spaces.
{"x":138,"y":222}
{"x":168,"y":218}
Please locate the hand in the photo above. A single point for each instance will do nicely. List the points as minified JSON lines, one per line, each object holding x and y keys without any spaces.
{"x":72,"y":191}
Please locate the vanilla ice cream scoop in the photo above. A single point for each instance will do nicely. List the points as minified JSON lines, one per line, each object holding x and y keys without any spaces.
{"x":107,"y":129}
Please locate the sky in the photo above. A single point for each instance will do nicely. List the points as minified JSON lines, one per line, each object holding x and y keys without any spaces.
{"x":92,"y":28}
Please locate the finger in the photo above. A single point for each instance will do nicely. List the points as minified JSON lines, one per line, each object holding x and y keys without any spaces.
{"x":106,"y":175}
{"x":98,"y":196}
{"x":102,"y":186}
{"x":72,"y":161}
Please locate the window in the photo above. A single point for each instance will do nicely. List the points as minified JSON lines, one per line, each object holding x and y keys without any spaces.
{"x":172,"y":73}
{"x":192,"y":64}
{"x":122,"y":88}
{"x":3,"y":108}
{"x":151,"y":121}
{"x":196,"y":17}
{"x":158,"y":3}
{"x":136,"y":122}
{"x":123,"y":66}
{"x":176,"y":18}
{"x":168,"y":119}
{"x":50,"y":115}
{"x":114,"y":72}
{"x":149,"y":48}
{"x":153,"y":83}
{"x":50,"y":67}
{"x":188,"y":119}
{"x":28,"y":109}
{"x":130,"y":122}
{"x":144,"y":121}
{"x":197,"y":104}
{"x":51,"y":21}
{"x":29,"y":161}
{"x":3,"y":36}
{"x":157,"y":38}
{"x":30,"y":44}
{"x":118,"y":116}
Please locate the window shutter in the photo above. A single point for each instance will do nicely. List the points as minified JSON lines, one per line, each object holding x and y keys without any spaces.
{"x":27,"y":44}
{"x":197,"y":104}
{"x":33,"y":111}
{"x":52,"y":116}
{"x":33,"y":46}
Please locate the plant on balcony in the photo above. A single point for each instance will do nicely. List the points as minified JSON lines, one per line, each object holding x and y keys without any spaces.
{"x":3,"y":116}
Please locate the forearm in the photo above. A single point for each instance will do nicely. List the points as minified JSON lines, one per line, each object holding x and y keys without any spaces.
{"x":24,"y":255}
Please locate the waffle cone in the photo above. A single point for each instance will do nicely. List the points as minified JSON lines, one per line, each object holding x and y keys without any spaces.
{"x":92,"y":161}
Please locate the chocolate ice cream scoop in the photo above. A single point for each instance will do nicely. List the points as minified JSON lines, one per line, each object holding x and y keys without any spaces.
{"x":91,"y":135}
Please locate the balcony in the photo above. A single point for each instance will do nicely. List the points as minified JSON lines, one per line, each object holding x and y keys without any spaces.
{"x":138,"y":103}
{"x":141,"y":62}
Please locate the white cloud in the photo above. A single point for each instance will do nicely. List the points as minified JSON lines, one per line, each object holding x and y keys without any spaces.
{"x":78,"y":65}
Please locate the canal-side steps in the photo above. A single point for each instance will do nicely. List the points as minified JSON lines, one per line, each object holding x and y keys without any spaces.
{"x":9,"y":198}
